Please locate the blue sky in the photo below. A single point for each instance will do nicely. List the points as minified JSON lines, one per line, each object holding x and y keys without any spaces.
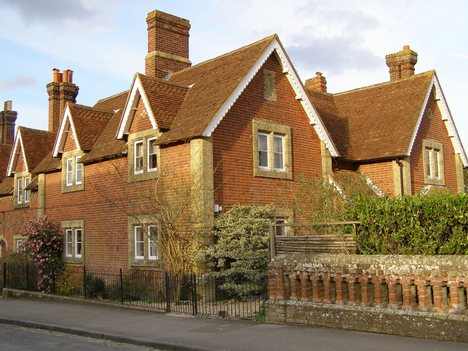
{"x":104,"y":43}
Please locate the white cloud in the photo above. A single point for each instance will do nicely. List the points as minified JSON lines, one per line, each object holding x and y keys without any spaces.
{"x":18,"y":82}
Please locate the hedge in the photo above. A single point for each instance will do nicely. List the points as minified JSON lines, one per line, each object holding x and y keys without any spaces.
{"x":413,"y":225}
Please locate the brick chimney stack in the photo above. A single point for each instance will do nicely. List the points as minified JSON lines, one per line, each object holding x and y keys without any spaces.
{"x":61,"y":90}
{"x":401,"y":64}
{"x":318,"y":83}
{"x":168,"y":44}
{"x":7,"y":124}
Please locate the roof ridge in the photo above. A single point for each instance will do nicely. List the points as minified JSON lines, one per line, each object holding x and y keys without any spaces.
{"x":112,"y":96}
{"x":94,"y":109}
{"x":268,"y":38}
{"x":157,"y":80}
{"x":419,"y":75}
{"x":33,"y":129}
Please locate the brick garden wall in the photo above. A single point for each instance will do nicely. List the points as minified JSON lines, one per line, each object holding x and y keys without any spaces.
{"x":423,"y":296}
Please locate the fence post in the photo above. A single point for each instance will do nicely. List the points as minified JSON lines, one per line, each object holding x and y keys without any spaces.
{"x":84,"y":282}
{"x":121,"y":287}
{"x":5,"y":284}
{"x":27,"y":276}
{"x":168,"y":292}
{"x":194,"y":294}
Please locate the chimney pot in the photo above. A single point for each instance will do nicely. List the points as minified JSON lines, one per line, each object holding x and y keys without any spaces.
{"x":56,"y":76}
{"x":8,"y":105}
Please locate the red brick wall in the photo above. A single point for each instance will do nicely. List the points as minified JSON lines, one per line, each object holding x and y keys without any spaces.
{"x":433,"y":129}
{"x":381,"y":173}
{"x":70,"y":144}
{"x":20,"y":166}
{"x":14,"y":221}
{"x":232,"y":144}
{"x":108,"y":200}
{"x":141,"y":120}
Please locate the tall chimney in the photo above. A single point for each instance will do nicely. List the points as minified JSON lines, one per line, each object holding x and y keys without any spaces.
{"x":7,"y":123}
{"x":168,"y":44}
{"x":61,"y":90}
{"x":401,"y":64}
{"x":318,"y":83}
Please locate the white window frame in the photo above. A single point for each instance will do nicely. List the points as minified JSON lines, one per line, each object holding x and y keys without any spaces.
{"x":19,"y":191}
{"x":150,"y":241}
{"x":69,"y":172}
{"x":18,"y":243}
{"x":27,"y":193}
{"x":149,"y":154}
{"x":142,"y":156}
{"x":267,"y":150}
{"x":283,"y":161}
{"x":78,"y":170}
{"x":136,"y":242}
{"x":75,"y":240}
{"x":68,"y":243}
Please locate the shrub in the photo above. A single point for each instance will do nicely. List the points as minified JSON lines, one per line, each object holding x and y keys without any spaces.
{"x":70,"y":282}
{"x":44,"y":244}
{"x":239,"y":256}
{"x":418,"y":225}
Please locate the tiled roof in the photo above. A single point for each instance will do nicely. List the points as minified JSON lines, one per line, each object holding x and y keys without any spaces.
{"x":165,"y":99}
{"x":5,"y":151}
{"x":374,"y":122}
{"x":211,"y":84}
{"x":48,"y":164}
{"x":37,"y":144}
{"x":89,"y":124}
{"x":6,"y":186}
{"x":106,"y":144}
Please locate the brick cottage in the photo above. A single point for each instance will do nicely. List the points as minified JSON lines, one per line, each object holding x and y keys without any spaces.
{"x":190,"y":141}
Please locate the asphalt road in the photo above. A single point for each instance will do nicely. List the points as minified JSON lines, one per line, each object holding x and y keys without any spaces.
{"x":13,"y":338}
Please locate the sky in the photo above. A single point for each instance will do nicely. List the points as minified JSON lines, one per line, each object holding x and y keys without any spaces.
{"x":105,"y":41}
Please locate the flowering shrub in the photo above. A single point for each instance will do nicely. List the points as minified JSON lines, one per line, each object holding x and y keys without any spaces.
{"x":44,"y":245}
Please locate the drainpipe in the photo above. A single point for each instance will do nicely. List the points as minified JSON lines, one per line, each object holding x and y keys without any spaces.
{"x":402,"y":188}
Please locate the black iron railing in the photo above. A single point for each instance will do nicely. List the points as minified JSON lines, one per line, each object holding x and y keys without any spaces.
{"x":197,"y":294}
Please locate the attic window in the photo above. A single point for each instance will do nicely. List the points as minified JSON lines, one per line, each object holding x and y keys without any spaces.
{"x":269,"y":85}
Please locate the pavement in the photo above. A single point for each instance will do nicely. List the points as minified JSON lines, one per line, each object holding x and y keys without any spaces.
{"x":184,"y":333}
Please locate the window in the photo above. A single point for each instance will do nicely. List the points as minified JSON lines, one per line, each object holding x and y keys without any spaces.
{"x":79,"y":170}
{"x":281,"y":229}
{"x":143,"y":239}
{"x":68,"y":242}
{"x":73,"y":241}
{"x":69,"y":172}
{"x":78,"y":242}
{"x":18,"y":245}
{"x":278,"y":151}
{"x":139,"y":243}
{"x":152,"y":242}
{"x":143,"y":155}
{"x":138,"y":157}
{"x":272,"y":150}
{"x":433,"y":161}
{"x":19,"y":188}
{"x":263,"y":150}
{"x":73,"y":172}
{"x":152,"y":155}
{"x":22,"y":194}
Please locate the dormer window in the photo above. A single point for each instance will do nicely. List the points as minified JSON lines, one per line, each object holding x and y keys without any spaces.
{"x":143,"y":154}
{"x":72,"y":171}
{"x":22,"y":195}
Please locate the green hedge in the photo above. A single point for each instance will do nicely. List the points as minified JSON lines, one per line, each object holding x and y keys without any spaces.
{"x":416,"y":225}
